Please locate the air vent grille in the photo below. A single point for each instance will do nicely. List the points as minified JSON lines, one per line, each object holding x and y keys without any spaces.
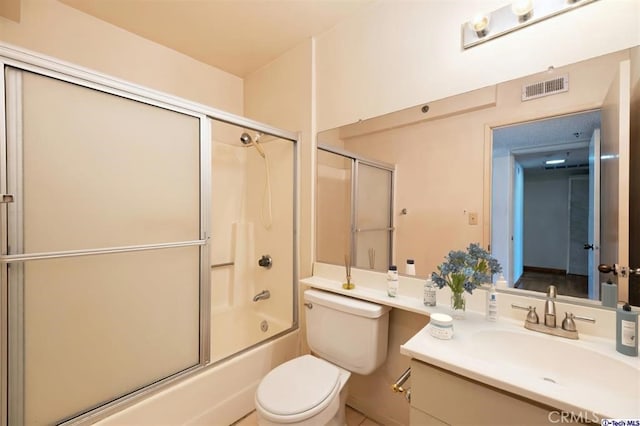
{"x":545,"y":88}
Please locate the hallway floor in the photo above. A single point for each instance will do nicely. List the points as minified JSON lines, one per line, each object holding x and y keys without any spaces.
{"x":567,"y":284}
{"x":354,"y":418}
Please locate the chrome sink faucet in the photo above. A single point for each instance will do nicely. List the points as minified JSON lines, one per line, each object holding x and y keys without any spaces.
{"x":550,"y":307}
{"x":568,"y":328}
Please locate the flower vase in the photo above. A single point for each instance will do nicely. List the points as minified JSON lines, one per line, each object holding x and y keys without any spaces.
{"x":458,"y":305}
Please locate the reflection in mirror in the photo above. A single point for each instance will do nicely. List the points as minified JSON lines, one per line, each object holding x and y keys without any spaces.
{"x":443,"y":155}
{"x":545,"y":204}
{"x":354,"y":209}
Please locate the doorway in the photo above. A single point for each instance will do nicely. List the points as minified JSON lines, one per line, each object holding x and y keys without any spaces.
{"x":544,"y":212}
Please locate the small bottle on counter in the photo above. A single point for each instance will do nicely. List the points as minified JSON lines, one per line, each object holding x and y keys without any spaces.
{"x":392,"y":281}
{"x":501,"y":283}
{"x":627,"y":331}
{"x":430,"y":292}
{"x":609,"y":294}
{"x":410,"y":269}
{"x":492,"y":303}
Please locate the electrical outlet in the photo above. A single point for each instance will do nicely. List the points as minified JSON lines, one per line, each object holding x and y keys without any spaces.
{"x":473,"y":218}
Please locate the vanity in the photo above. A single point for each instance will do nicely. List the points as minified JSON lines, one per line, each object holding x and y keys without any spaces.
{"x":499,"y":373}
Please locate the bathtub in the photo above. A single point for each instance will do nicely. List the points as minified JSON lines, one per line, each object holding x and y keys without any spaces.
{"x":235,"y":329}
{"x":218,"y":396}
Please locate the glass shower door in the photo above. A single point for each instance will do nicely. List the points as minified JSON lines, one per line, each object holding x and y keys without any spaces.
{"x":102,"y":257}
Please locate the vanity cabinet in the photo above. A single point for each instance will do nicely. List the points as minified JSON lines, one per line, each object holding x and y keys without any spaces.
{"x":439,"y":397}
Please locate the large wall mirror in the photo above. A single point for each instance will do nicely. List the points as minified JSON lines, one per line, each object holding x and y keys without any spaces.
{"x":533,"y":169}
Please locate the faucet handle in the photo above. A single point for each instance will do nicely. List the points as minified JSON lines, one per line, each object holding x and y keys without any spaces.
{"x":532,"y":315}
{"x":569,"y":324}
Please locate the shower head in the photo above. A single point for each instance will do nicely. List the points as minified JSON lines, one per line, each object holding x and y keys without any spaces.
{"x":245,"y":138}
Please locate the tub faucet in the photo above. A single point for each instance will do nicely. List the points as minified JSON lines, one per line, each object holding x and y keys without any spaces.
{"x":264,"y":294}
{"x":550,"y":307}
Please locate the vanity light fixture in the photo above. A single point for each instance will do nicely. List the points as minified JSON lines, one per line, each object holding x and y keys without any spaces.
{"x":515,"y":15}
{"x":550,"y":162}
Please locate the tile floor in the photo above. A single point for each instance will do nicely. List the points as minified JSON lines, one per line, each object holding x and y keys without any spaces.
{"x":354,"y":418}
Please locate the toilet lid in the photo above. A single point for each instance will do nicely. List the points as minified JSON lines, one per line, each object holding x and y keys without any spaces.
{"x":297,"y":386}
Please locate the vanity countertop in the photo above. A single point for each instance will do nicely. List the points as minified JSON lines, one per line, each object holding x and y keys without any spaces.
{"x":583,"y":376}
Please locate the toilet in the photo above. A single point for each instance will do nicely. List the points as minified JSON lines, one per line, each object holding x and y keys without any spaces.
{"x":346,"y":336}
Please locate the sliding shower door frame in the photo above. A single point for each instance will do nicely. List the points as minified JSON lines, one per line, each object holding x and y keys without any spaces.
{"x":21,"y":59}
{"x":356,"y":161}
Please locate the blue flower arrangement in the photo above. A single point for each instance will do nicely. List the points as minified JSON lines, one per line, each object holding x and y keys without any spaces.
{"x":465,"y":271}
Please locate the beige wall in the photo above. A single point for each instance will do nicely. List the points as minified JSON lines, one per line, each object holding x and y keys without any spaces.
{"x":54,"y":29}
{"x":394,"y":55}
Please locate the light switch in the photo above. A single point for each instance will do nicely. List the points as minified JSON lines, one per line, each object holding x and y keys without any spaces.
{"x":473,"y":218}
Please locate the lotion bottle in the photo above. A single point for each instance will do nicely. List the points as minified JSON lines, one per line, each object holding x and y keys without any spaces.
{"x":410,"y":269}
{"x":627,"y":331}
{"x":492,"y":303}
{"x":429,"y":298}
{"x":501,"y":283}
{"x":392,"y":281}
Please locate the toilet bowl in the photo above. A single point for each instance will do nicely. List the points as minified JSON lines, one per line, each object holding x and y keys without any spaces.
{"x":304,"y":391}
{"x":347,"y":335}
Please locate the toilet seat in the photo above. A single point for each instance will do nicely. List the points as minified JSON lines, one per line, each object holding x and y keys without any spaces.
{"x":298,"y":389}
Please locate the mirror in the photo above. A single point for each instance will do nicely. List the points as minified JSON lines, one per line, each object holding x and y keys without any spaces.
{"x":443,"y":156}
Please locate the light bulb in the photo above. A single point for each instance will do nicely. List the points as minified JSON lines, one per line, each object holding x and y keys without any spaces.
{"x":480,"y":24}
{"x":523,"y":9}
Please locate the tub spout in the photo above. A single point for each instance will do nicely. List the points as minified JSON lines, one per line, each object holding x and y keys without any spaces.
{"x":264,"y":294}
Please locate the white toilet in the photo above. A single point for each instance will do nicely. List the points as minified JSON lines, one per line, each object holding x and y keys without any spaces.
{"x":351,"y":336}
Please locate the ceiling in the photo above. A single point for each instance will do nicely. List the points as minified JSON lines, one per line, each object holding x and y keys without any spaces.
{"x":237,"y":36}
{"x":533,"y":143}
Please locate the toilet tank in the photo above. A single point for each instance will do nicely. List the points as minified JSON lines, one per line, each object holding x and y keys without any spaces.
{"x":350,"y":333}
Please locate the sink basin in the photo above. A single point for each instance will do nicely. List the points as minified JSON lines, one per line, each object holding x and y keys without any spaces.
{"x":557,"y":366}
{"x":562,"y":362}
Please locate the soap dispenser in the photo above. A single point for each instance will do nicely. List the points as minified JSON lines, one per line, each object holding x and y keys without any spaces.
{"x":627,"y":331}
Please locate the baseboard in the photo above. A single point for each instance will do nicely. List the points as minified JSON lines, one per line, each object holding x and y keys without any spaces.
{"x":545,"y":270}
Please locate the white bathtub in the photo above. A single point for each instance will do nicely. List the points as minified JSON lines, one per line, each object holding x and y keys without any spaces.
{"x":235,"y":329}
{"x":218,"y":396}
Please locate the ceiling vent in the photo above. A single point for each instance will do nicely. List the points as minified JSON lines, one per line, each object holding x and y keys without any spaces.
{"x":545,"y":88}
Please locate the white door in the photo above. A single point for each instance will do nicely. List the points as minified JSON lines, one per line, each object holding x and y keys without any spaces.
{"x":614,"y":188}
{"x":518,"y":221}
{"x":593,"y":243}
